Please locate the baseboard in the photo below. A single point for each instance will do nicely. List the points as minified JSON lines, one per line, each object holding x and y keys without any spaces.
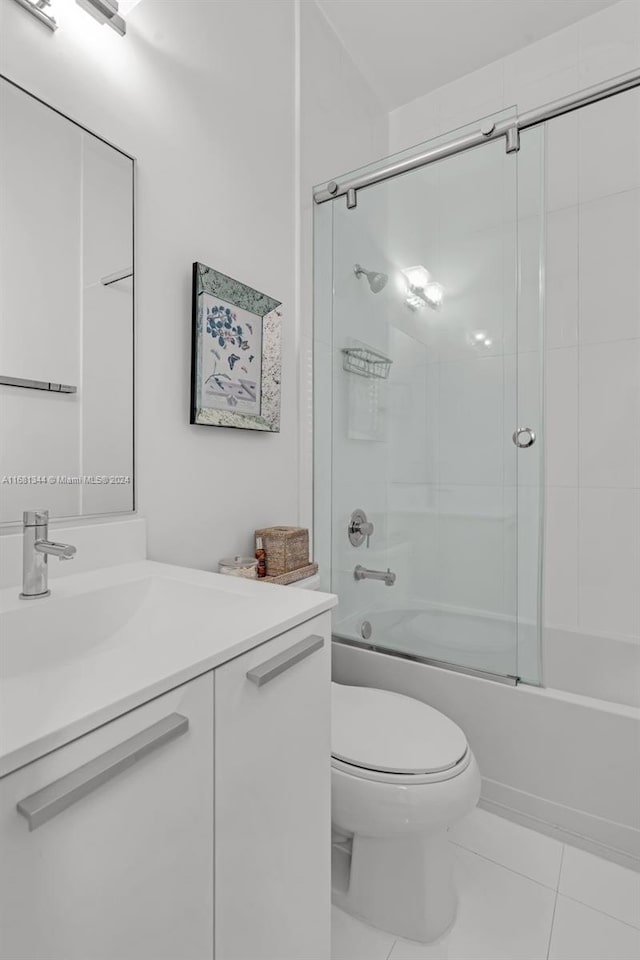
{"x":604,"y":838}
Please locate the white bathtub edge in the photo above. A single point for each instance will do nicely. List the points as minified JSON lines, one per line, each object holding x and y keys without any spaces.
{"x":580,"y":700}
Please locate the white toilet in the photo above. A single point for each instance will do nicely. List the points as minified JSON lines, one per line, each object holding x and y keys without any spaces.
{"x":401,"y":774}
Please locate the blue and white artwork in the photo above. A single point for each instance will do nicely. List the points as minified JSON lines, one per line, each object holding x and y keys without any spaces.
{"x":235,"y":353}
{"x":231,"y":369}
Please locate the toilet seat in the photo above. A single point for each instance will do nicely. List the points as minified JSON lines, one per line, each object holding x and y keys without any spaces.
{"x":385,"y":736}
{"x":401,"y":779}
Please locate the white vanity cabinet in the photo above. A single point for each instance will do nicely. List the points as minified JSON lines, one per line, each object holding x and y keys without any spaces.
{"x":273,"y":799}
{"x":194,"y":827}
{"x":125,"y":872}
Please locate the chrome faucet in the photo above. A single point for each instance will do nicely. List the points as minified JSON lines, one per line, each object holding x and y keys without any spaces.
{"x":36,"y":548}
{"x":361,"y":573}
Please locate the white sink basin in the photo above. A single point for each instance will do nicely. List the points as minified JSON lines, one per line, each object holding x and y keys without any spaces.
{"x":108,"y":640}
{"x":43,"y":635}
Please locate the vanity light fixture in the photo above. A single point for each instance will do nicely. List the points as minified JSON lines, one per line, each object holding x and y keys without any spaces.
{"x":105,"y":11}
{"x":39,"y":9}
{"x":421,"y":288}
{"x":415,"y":302}
{"x":417,"y":277}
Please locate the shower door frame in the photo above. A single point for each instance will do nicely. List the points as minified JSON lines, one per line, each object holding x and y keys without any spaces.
{"x":487,"y":132}
{"x":349,"y":185}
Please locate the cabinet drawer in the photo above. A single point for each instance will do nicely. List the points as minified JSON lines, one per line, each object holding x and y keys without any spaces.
{"x":273,"y":799}
{"x":119,"y":860}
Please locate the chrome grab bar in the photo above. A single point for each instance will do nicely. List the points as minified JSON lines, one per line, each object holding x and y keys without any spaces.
{"x":51,"y":800}
{"x":361,"y":573}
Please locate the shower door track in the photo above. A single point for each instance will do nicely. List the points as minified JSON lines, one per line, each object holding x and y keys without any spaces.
{"x":509,"y":128}
{"x":429,"y":661}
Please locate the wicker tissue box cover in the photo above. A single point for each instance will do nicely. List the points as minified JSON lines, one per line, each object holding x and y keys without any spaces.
{"x":287,"y":548}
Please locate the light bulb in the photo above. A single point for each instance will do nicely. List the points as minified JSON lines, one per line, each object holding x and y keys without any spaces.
{"x":434,"y":293}
{"x":417,"y":277}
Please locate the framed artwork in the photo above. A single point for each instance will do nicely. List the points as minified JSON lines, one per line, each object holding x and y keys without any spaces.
{"x":235,"y":354}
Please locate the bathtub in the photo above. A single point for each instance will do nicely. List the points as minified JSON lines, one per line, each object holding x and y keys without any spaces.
{"x":564,"y":761}
{"x":604,"y":668}
{"x":607,"y":668}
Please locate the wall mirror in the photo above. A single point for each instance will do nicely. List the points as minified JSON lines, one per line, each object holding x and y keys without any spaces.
{"x":66,"y":315}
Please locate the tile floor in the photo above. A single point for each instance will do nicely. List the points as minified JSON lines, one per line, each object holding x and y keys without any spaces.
{"x":523,"y":896}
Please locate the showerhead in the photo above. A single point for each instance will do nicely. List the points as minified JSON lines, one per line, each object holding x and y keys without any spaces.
{"x":377,"y":281}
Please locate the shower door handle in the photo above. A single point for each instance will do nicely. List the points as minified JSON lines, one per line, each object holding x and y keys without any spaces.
{"x":524,"y":437}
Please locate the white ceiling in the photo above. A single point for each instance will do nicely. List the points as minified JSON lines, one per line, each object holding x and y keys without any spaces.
{"x":405,"y":48}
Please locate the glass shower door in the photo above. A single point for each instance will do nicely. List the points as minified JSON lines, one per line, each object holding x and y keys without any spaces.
{"x":422,"y":341}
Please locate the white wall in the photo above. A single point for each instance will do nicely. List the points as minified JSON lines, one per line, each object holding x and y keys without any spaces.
{"x":592,"y":355}
{"x":227,"y":148}
{"x":342,"y":127}
{"x":203,"y":95}
{"x":593,"y":370}
{"x":590,"y":51}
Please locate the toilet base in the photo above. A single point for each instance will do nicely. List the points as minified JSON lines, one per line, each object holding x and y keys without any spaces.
{"x":402,"y":884}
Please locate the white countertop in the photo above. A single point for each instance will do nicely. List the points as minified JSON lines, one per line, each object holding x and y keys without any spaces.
{"x":123,"y":659}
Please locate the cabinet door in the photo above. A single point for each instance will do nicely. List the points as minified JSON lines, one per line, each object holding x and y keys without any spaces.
{"x":126,"y":871}
{"x":273,"y":802}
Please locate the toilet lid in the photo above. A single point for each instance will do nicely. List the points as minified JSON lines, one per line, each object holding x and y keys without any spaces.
{"x":385,"y":731}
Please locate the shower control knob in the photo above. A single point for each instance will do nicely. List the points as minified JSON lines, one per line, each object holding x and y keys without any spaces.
{"x":359,"y":528}
{"x":524,"y":437}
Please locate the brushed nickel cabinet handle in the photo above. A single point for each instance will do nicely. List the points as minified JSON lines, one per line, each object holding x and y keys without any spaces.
{"x":283,"y":661}
{"x":51,"y":800}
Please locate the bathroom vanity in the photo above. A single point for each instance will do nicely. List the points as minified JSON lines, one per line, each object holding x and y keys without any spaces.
{"x":164,"y":753}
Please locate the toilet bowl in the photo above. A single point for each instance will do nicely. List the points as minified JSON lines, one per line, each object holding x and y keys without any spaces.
{"x":401,"y":774}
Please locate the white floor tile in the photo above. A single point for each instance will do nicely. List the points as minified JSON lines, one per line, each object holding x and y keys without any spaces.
{"x":580,"y":933}
{"x":518,"y":848}
{"x":602,"y":885}
{"x":501,"y":916}
{"x":353,"y":940}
